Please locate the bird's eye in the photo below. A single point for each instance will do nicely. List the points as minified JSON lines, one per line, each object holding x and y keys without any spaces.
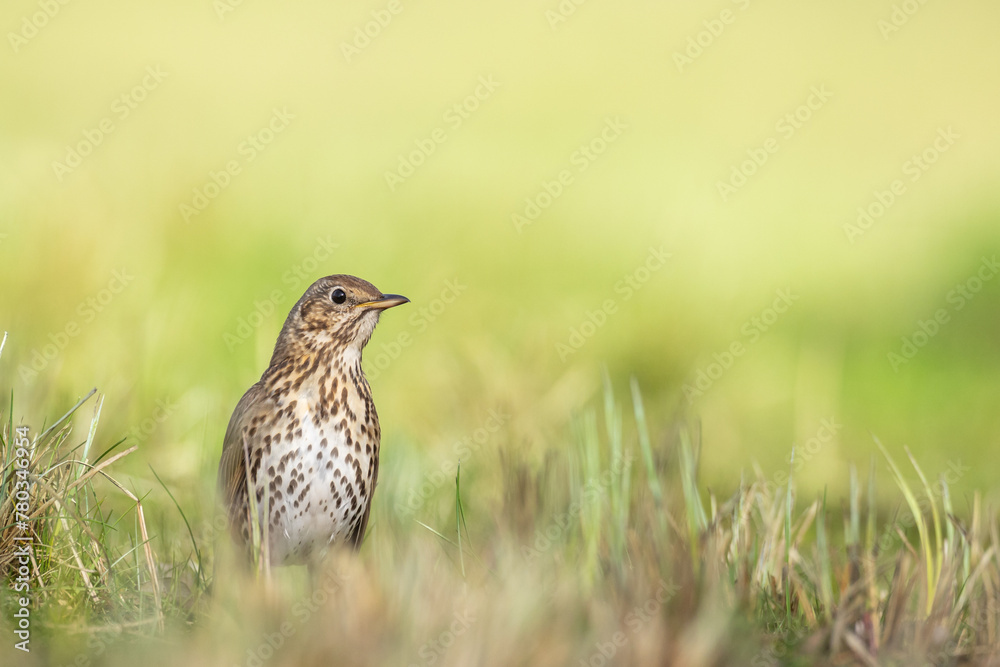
{"x":338,"y":296}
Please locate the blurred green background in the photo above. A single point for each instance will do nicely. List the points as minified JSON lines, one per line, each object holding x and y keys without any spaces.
{"x":108,"y":281}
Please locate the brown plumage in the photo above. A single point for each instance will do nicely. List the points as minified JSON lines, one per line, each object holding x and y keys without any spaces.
{"x":308,"y":429}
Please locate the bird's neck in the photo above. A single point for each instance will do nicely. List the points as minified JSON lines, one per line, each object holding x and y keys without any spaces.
{"x":326,"y":369}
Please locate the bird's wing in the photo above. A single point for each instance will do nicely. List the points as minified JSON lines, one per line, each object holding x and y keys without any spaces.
{"x":232,"y":466}
{"x":358,"y":534}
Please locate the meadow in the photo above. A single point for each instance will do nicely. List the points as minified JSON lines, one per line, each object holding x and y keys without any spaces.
{"x":651,"y":251}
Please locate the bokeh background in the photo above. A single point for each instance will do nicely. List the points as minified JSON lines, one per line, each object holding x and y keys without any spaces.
{"x":109,"y":282}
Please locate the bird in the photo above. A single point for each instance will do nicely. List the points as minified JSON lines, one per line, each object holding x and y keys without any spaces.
{"x":305,"y":437}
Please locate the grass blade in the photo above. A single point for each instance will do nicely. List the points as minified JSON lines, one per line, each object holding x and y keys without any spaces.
{"x":194,"y":543}
{"x":918,"y":517}
{"x":652,"y":479}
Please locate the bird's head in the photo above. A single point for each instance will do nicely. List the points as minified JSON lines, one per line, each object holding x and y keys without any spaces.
{"x":338,"y":311}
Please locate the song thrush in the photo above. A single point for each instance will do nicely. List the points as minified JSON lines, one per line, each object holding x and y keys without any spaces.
{"x":308,"y":430}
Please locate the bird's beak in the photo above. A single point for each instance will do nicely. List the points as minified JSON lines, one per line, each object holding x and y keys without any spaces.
{"x":387,"y":301}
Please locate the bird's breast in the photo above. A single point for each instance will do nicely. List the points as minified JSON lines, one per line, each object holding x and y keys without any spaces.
{"x":320,"y":466}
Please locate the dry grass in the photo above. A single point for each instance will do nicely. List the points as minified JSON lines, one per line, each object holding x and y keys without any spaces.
{"x":601,"y":551}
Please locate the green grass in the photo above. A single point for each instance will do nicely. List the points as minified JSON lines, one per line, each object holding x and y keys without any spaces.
{"x":605,"y":546}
